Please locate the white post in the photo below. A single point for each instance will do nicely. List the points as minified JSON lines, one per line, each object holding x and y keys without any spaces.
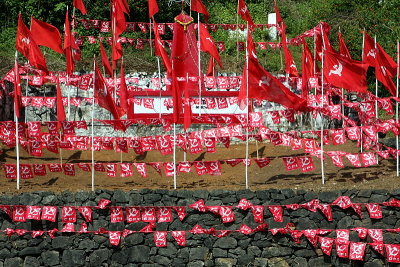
{"x":322,"y":116}
{"x":174,"y":146}
{"x":247,"y":108}
{"x":198,"y":46}
{"x":159,"y":78}
{"x":362,"y":57}
{"x":151,"y":44}
{"x":94,"y":88}
{"x":397,"y":107}
{"x":69,"y":97}
{"x":376,"y":101}
{"x":16,"y":118}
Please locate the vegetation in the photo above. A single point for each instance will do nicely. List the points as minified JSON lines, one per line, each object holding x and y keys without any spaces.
{"x":380,"y":18}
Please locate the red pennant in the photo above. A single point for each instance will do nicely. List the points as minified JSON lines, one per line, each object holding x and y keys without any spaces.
{"x":291,"y":163}
{"x":132,"y":214}
{"x":160,"y":238}
{"x":103,"y":203}
{"x":164,"y":214}
{"x":33,"y":212}
{"x":244,"y":229}
{"x":180,"y":237}
{"x":393,"y":253}
{"x":374,"y":210}
{"x":68,"y":214}
{"x":343,"y":201}
{"x":141,"y":168}
{"x":156,"y":166}
{"x":199,"y":206}
{"x":149,"y":214}
{"x":244,"y":204}
{"x":115,"y":237}
{"x":227,"y":214}
{"x":376,"y":235}
{"x":68,"y":228}
{"x":258,"y":213}
{"x":357,"y":250}
{"x":276,"y":211}
{"x":311,"y":236}
{"x":19,"y":213}
{"x":326,"y":244}
{"x":117,"y":214}
{"x":181,"y":212}
{"x":49,"y":213}
{"x":326,"y":210}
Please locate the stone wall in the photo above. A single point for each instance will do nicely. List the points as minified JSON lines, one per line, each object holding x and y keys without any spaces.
{"x":235,"y":249}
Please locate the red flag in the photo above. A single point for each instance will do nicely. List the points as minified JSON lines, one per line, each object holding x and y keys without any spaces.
{"x":279,"y":19}
{"x":120,"y":8}
{"x":159,"y":49}
{"x":103,"y":95}
{"x":307,"y":67}
{"x":60,"y":107}
{"x":263,"y":85}
{"x":207,"y":44}
{"x":27,"y":46}
{"x":188,"y":109}
{"x":198,"y":6}
{"x":104,"y":60}
{"x":46,"y":34}
{"x":79,"y":5}
{"x":320,"y":39}
{"x":289,"y":62}
{"x":382,"y":73}
{"x":123,"y":91}
{"x":343,"y":48}
{"x":69,"y":40}
{"x":153,"y":8}
{"x":345,"y":73}
{"x":211,"y":67}
{"x":244,"y":13}
{"x":371,"y":54}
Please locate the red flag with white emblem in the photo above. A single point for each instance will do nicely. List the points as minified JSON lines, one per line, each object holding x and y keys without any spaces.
{"x":345,"y":73}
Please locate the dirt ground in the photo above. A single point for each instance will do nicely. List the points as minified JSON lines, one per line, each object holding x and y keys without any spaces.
{"x":381,"y":176}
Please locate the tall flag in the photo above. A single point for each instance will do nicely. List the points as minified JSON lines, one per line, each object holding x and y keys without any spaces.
{"x":153,"y":8}
{"x":383,"y":75}
{"x":123,"y":91}
{"x":103,"y":95}
{"x":321,"y":39}
{"x":290,"y":66}
{"x":46,"y":34}
{"x":198,"y":6}
{"x":119,"y":8}
{"x":159,"y":49}
{"x":176,"y":97}
{"x":344,"y":72}
{"x":104,"y":60}
{"x":343,"y":48}
{"x":369,"y":50}
{"x":211,"y":67}
{"x":244,"y":13}
{"x":17,"y":90}
{"x":60,"y":107}
{"x":187,"y":119}
{"x":69,"y":45}
{"x":370,"y":55}
{"x":207,"y":44}
{"x":26,"y":45}
{"x":79,"y":5}
{"x":307,"y":68}
{"x":263,"y":85}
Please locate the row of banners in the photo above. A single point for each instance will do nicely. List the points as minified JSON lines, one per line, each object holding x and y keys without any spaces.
{"x":304,"y":163}
{"x":344,"y":247}
{"x":133,"y":214}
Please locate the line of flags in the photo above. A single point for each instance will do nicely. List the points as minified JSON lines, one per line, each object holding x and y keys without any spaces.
{"x":339,"y":69}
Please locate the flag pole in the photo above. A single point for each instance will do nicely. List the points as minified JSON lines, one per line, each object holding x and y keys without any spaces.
{"x":247,"y":109}
{"x":93,"y":99}
{"x":69,"y":97}
{"x":151,"y":44}
{"x":376,"y":100}
{"x":16,"y":118}
{"x":322,"y":116}
{"x":159,"y":78}
{"x":397,"y":107}
{"x":237,"y":33}
{"x":362,"y":57}
{"x":174,"y":146}
{"x":198,"y":46}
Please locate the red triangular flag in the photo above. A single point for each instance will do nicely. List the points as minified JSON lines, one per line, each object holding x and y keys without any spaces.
{"x":198,"y":6}
{"x":79,"y":5}
{"x":153,"y":8}
{"x":104,"y":60}
{"x":207,"y":44}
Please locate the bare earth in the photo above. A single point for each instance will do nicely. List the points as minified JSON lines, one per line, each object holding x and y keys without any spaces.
{"x":382,"y":176}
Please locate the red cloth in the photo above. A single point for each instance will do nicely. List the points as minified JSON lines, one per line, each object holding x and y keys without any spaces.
{"x":46,"y":34}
